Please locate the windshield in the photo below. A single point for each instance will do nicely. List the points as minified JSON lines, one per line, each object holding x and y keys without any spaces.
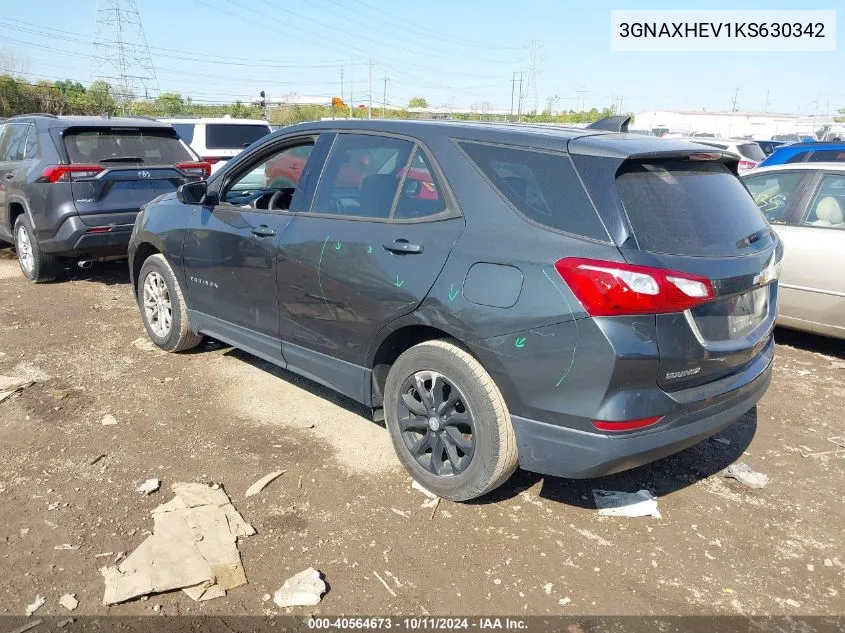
{"x":130,"y":145}
{"x":688,"y":208}
{"x":233,"y":135}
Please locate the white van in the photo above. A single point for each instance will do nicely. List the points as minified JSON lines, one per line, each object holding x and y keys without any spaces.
{"x":217,"y":140}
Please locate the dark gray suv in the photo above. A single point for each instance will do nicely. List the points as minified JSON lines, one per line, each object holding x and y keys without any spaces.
{"x":71,"y":186}
{"x":575,"y":302}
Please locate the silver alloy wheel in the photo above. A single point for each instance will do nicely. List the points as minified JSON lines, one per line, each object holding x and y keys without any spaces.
{"x":157,"y":307}
{"x":24,"y":248}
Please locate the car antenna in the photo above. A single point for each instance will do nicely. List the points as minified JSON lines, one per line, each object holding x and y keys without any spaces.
{"x":611,"y":123}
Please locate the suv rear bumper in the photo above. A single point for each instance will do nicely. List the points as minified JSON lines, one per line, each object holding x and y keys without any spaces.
{"x":550,"y":449}
{"x":74,"y":237}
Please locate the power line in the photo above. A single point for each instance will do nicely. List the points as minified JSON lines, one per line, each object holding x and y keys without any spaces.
{"x":118,"y":23}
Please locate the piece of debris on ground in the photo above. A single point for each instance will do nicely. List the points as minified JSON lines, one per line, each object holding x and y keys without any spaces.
{"x":386,"y":586}
{"x":304,"y":589}
{"x":432,"y":501}
{"x":746,"y":475}
{"x":27,"y":627}
{"x":626,"y":504}
{"x":145,"y":345}
{"x":108,"y":420}
{"x":10,"y":385}
{"x":69,"y":601}
{"x":262,"y":483}
{"x":36,"y":604}
{"x":193,"y":547}
{"x":149,"y":486}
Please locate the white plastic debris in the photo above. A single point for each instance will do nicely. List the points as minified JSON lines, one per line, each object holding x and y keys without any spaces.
{"x":547,"y":588}
{"x":746,"y":475}
{"x":432,"y":501}
{"x":626,"y":504}
{"x":36,"y":604}
{"x":149,"y":486}
{"x":262,"y":483}
{"x":108,"y":420}
{"x":69,"y":601}
{"x":193,"y":547}
{"x":66,"y":546}
{"x":304,"y":589}
{"x":10,"y":385}
{"x":564,"y":601}
{"x":401,"y":513}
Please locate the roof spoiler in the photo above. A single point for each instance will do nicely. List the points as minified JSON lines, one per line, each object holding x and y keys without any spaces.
{"x":611,"y":124}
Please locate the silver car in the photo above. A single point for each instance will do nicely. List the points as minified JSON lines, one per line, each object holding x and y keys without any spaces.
{"x":805,"y":204}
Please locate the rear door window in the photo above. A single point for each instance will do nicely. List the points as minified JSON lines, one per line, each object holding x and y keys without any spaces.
{"x":773,"y":193}
{"x":827,"y":208}
{"x":688,"y":208}
{"x":362,"y":176}
{"x":13,"y":143}
{"x":185,"y":131}
{"x":542,"y":186}
{"x":127,"y":146}
{"x":233,"y":135}
{"x":752,"y":151}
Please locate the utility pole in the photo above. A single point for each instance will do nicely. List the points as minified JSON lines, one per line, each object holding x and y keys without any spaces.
{"x":370,"y":104}
{"x":513,"y":89}
{"x":519,"y":103}
{"x":351,"y":86}
{"x":580,"y":103}
{"x":341,"y":85}
{"x":766,"y":102}
{"x":736,"y":94}
{"x":384,"y":98}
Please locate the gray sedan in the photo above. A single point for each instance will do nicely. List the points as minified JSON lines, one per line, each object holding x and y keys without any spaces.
{"x":805,"y":203}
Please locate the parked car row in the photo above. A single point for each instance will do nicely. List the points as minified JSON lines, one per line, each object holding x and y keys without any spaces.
{"x":575,"y":302}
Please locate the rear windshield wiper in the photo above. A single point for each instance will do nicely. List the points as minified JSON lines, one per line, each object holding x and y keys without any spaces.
{"x":749,"y":240}
{"x":122,"y":159}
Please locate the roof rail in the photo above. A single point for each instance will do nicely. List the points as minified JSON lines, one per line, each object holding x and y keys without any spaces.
{"x":140,"y":116}
{"x":611,"y":123}
{"x":52,"y":116}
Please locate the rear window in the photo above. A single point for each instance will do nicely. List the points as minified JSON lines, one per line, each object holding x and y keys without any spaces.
{"x":542,"y":186}
{"x":751,"y":151}
{"x":827,"y":156}
{"x":185,"y":131}
{"x":233,"y":135}
{"x":129,"y":145}
{"x":687,"y":208}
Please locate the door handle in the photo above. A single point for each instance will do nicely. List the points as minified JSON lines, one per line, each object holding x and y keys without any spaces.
{"x":263,"y":231}
{"x":9,"y":176}
{"x":403,"y":247}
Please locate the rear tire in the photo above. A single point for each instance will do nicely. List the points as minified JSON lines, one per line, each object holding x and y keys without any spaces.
{"x":163,"y":308}
{"x":36,"y":265}
{"x":455,"y":435}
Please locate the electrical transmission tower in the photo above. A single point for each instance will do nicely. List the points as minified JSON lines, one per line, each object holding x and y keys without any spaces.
{"x":531,"y":85}
{"x":121,"y":55}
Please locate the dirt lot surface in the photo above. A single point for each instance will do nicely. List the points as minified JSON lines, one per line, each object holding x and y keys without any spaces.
{"x":345,"y":507}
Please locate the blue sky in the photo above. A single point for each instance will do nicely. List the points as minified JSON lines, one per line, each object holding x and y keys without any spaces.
{"x":457,"y":52}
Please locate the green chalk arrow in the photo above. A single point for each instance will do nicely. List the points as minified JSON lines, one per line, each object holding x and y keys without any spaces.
{"x":399,"y":282}
{"x":369,"y":249}
{"x":452,"y":292}
{"x":519,"y":342}
{"x":337,"y":245}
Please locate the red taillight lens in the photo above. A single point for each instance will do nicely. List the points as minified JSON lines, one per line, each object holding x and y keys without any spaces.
{"x":201,"y":169}
{"x":614,"y":289}
{"x":626,"y":425}
{"x":65,"y":173}
{"x":747,"y":164}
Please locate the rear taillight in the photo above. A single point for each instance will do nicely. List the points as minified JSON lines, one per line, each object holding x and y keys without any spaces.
{"x":747,"y":164}
{"x":201,"y":169}
{"x":626,"y":425}
{"x":212,"y":161}
{"x":614,"y":289}
{"x":65,"y":173}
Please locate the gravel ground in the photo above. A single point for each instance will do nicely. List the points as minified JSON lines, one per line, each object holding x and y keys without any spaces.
{"x":345,"y":507}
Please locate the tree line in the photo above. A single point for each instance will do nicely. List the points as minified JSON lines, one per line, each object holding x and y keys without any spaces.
{"x":19,"y":96}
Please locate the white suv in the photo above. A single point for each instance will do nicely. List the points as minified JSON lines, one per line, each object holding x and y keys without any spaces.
{"x":217,"y":140}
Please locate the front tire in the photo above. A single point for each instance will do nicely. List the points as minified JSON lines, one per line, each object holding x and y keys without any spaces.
{"x":163,"y":308}
{"x":36,"y":265}
{"x":448,"y":421}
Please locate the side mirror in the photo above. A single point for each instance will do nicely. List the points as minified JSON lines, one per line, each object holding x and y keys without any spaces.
{"x":192,"y":192}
